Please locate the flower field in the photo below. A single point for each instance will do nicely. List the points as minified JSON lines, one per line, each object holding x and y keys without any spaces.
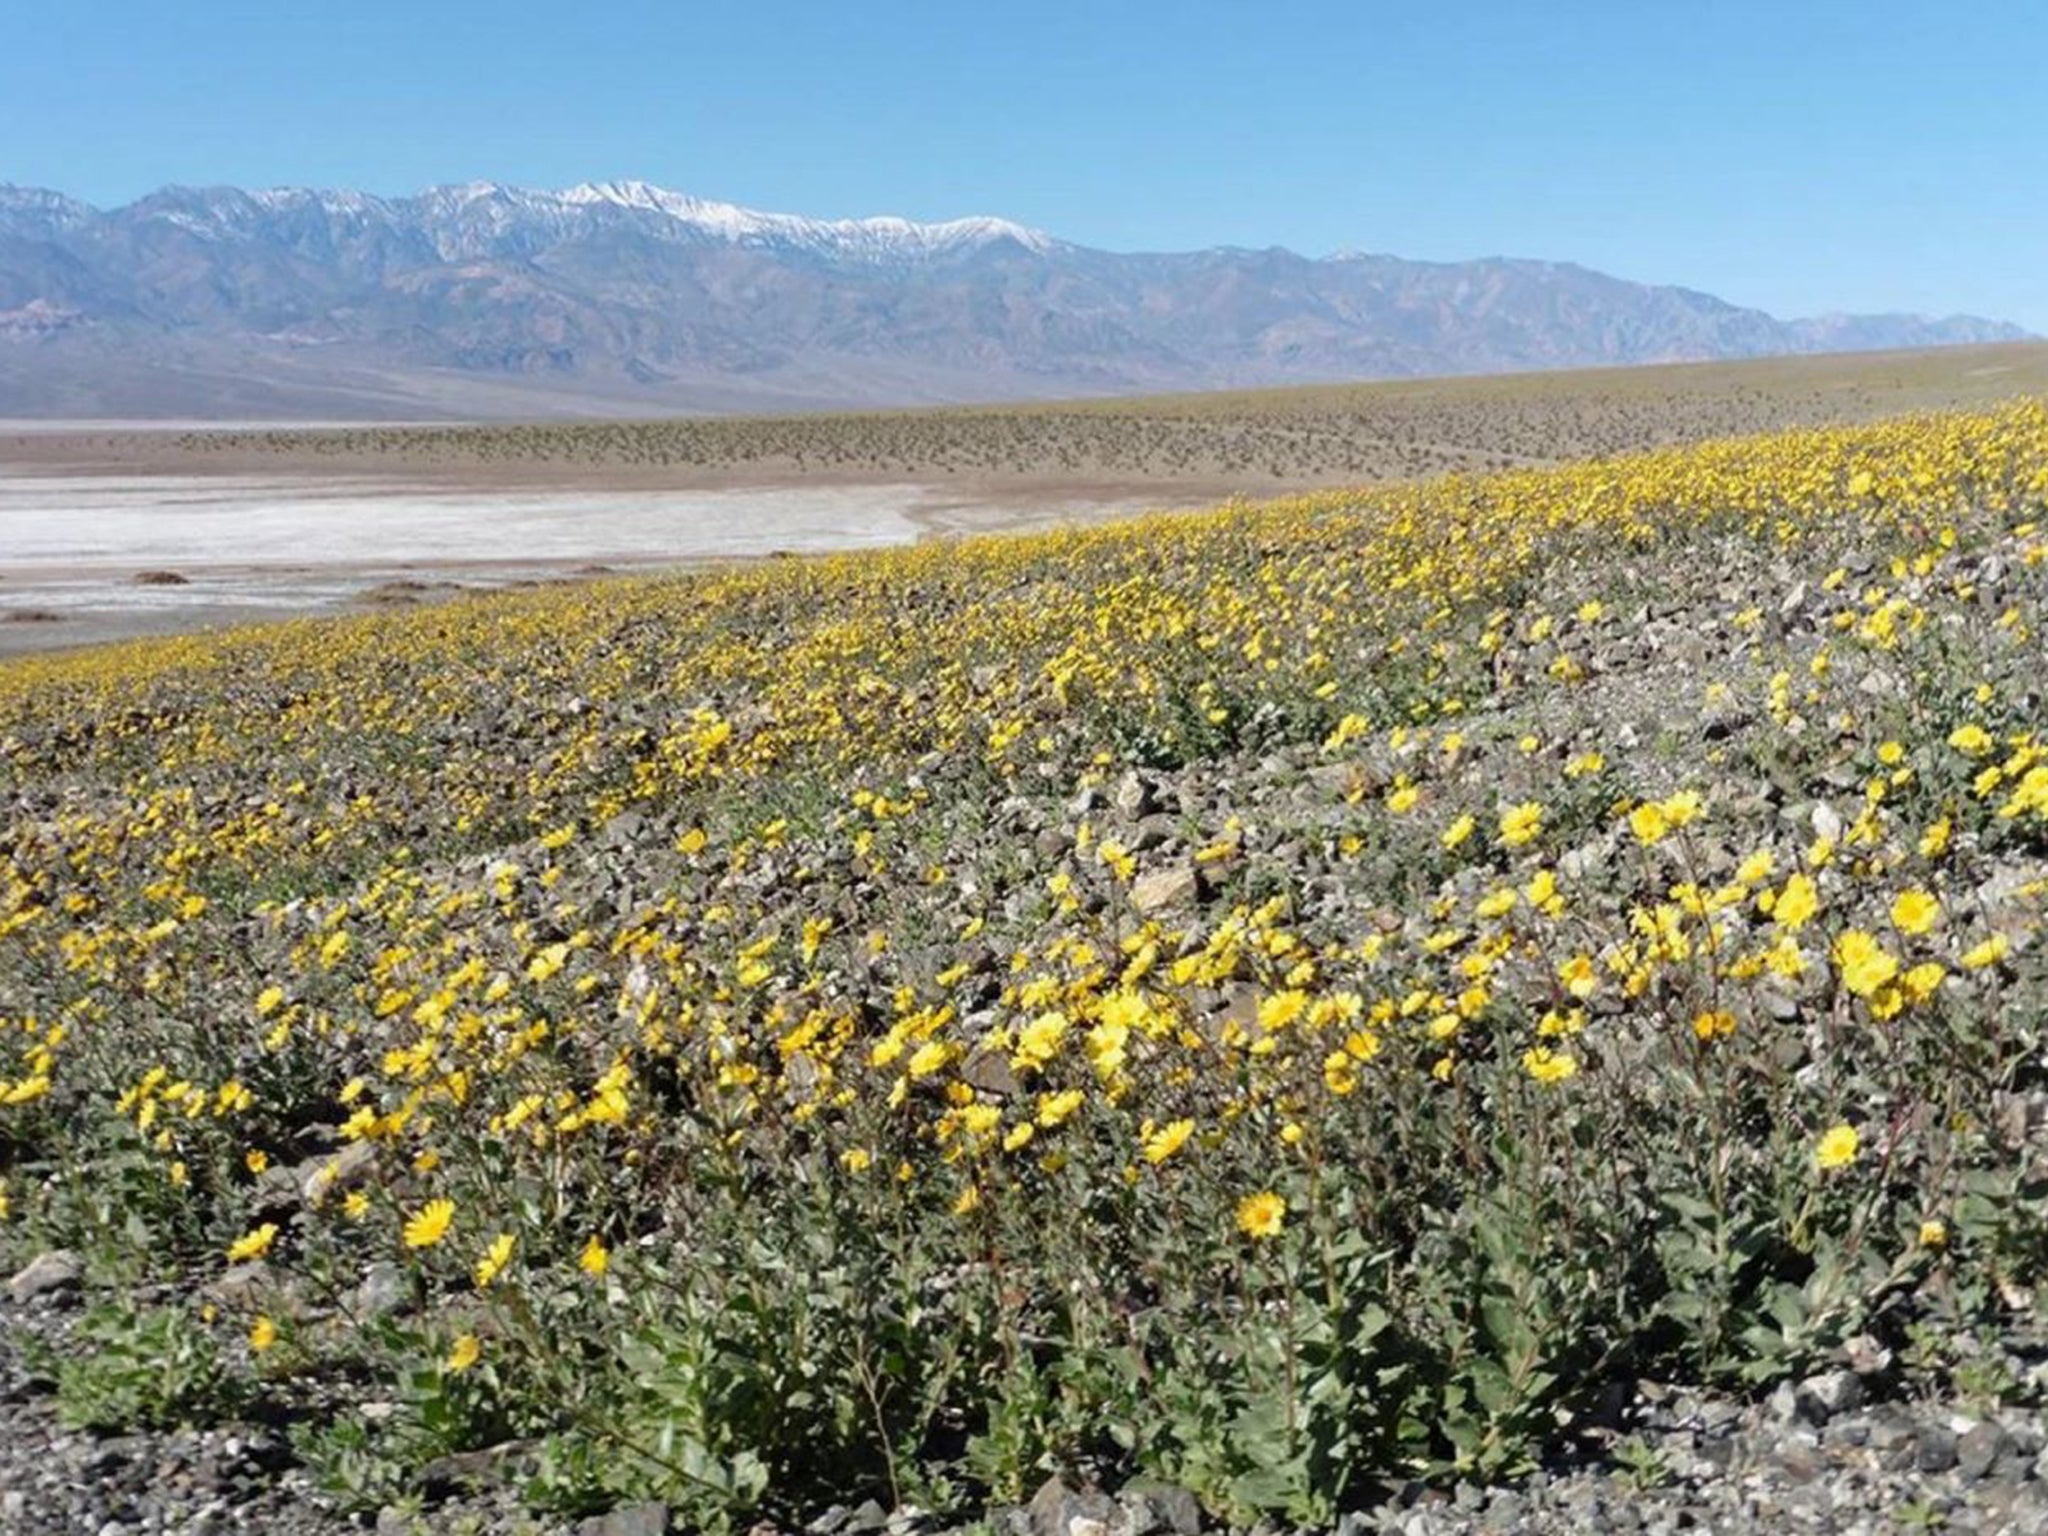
{"x":1277,"y":999}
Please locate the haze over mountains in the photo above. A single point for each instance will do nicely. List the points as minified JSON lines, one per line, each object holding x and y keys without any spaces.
{"x":623,"y":298}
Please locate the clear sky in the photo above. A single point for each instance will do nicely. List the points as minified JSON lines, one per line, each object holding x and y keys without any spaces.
{"x":1886,"y":154}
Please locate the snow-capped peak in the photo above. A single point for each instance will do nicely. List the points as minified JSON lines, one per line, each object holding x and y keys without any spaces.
{"x":874,"y":238}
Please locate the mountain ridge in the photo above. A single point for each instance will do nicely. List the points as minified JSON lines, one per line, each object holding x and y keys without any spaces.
{"x":484,"y":298}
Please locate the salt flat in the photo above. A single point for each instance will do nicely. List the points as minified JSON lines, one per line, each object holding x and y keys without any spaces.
{"x":87,"y":557}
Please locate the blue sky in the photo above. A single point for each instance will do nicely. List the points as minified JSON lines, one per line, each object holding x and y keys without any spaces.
{"x":1800,"y":157}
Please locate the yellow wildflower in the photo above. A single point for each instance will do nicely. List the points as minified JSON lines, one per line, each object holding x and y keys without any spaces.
{"x":1865,"y":964}
{"x":1162,"y":1143}
{"x":1262,"y":1215}
{"x":428,"y":1225}
{"x":494,"y":1260}
{"x":253,"y":1245}
{"x":1915,"y":912}
{"x":1521,"y":824}
{"x":1837,"y":1147}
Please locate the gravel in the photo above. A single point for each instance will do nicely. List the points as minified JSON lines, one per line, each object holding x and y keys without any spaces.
{"x":1830,"y":1453}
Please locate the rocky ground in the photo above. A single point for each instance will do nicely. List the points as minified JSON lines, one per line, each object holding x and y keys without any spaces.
{"x":1849,"y":1450}
{"x":1762,"y":692}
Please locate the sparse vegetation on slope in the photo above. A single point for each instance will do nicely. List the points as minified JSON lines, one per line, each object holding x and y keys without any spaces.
{"x":1315,"y":435}
{"x":1274,"y":999}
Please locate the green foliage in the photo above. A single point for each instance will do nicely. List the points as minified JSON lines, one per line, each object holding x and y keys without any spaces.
{"x":156,"y":1367}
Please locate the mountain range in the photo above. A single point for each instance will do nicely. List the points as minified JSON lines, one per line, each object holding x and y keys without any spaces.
{"x":620,"y":298}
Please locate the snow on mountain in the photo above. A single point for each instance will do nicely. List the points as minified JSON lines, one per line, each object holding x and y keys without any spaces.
{"x":482,"y":219}
{"x":32,"y":210}
{"x":883,"y":238}
{"x":648,"y":294}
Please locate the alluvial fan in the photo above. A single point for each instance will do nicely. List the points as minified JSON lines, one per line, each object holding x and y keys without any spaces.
{"x":1288,"y":1003}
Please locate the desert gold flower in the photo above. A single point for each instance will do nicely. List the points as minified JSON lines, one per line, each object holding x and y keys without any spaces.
{"x":1548,"y":1066}
{"x":462,"y":1354}
{"x":1988,"y":953}
{"x":1054,"y":1108}
{"x":494,"y":1260}
{"x":1756,"y":869}
{"x":1162,"y":1142}
{"x":1915,"y":912}
{"x":262,"y":1334}
{"x":1837,"y":1147}
{"x":595,"y":1258}
{"x":1681,"y":809}
{"x":1713,"y":1024}
{"x":1580,"y":976}
{"x":254,"y":1244}
{"x":1521,"y":824}
{"x":1280,"y":1009}
{"x":1865,"y":964}
{"x":1262,"y":1215}
{"x":1973,"y":739}
{"x":429,"y":1224}
{"x":1796,"y":903}
{"x":1923,"y":980}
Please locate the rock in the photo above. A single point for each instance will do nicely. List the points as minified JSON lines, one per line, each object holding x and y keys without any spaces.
{"x":460,"y":1472}
{"x":1800,"y":1463}
{"x":1820,"y":1398}
{"x":1154,"y":832}
{"x":239,"y":1284}
{"x":1981,"y":1448}
{"x":1151,"y":1507}
{"x":1890,"y":1428}
{"x":1159,"y":890}
{"x":1585,"y":860}
{"x":48,"y":1274}
{"x":644,"y":1519}
{"x":1935,"y":1448}
{"x":1866,"y":1356}
{"x":382,"y":1292}
{"x":1135,"y":796}
{"x":1335,"y":778}
{"x":869,"y":1516}
{"x":1060,"y":1510}
{"x":990,"y":1071}
{"x":323,"y":1178}
{"x":1784,"y":1403}
{"x":624,"y":829}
